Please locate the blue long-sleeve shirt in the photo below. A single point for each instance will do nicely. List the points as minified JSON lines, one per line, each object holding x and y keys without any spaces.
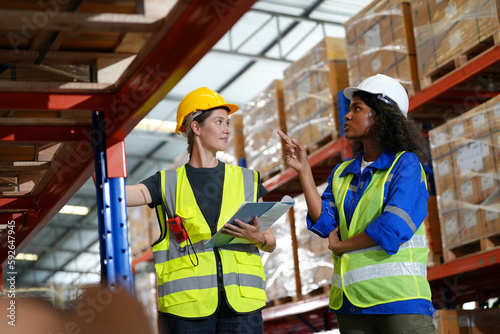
{"x":406,"y":192}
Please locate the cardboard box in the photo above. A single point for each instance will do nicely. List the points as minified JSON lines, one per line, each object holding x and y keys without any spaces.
{"x":470,"y":226}
{"x":450,"y":229}
{"x":439,"y":140}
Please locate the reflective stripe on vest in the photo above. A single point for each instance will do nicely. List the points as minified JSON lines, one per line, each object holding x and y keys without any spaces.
{"x":192,"y":291}
{"x":370,"y":276}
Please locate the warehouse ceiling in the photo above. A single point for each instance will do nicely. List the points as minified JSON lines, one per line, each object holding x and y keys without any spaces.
{"x":253,"y":53}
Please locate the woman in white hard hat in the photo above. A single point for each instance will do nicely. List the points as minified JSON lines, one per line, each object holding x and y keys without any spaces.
{"x":372,"y":213}
{"x":206,"y":290}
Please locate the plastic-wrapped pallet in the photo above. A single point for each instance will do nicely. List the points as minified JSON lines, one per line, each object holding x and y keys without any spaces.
{"x":315,"y":259}
{"x":143,"y":228}
{"x":310,"y":87}
{"x":448,"y":32}
{"x":380,"y":40}
{"x":466,"y":161}
{"x":145,"y":291}
{"x":278,"y":265}
{"x":263,"y":116}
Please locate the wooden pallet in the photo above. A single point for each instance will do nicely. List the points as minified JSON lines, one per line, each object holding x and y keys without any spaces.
{"x":270,"y":174}
{"x":477,"y":246}
{"x":322,"y":290}
{"x":281,"y":301}
{"x":459,"y":60}
{"x":321,"y":142}
{"x":434,"y":259}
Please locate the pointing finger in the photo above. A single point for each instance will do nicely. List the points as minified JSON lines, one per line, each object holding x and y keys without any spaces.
{"x":286,"y":138}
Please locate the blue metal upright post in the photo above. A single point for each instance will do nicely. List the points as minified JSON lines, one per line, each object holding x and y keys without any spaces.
{"x":120,"y":233}
{"x":112,"y":214}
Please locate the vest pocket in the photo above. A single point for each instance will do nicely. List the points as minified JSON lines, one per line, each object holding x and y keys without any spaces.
{"x":181,"y":283}
{"x":251,"y":276}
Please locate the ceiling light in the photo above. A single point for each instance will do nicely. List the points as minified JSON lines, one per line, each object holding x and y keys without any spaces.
{"x":27,"y":257}
{"x":148,"y":124}
{"x":75,"y":210}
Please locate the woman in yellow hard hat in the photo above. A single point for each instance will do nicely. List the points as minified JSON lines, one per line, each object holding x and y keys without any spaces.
{"x":206,"y":290}
{"x":372,"y":213}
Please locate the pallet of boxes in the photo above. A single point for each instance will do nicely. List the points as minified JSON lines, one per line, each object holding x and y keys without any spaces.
{"x":380,"y":40}
{"x":466,"y":161}
{"x":263,"y":116}
{"x":310,"y":270}
{"x":448,"y":33}
{"x":310,"y":87}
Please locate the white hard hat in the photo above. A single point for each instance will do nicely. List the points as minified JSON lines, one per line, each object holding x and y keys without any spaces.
{"x":383,"y":86}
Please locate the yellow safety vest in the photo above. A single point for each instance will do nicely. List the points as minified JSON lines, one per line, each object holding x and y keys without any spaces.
{"x":370,"y":276}
{"x":189,"y":290}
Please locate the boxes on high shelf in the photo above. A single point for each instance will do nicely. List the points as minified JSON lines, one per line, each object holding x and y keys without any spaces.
{"x":310,"y":86}
{"x":380,"y":40}
{"x":446,"y":29}
{"x":263,"y":116}
{"x":467,"y":177}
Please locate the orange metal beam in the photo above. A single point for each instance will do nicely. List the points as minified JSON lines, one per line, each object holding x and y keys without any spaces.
{"x":456,"y":77}
{"x":35,"y":134}
{"x":51,"y":101}
{"x":461,"y":265}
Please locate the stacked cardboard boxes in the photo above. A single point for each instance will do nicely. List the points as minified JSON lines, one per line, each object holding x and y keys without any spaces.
{"x":310,"y":88}
{"x":448,"y":29}
{"x":466,"y":156}
{"x":315,"y":259}
{"x":478,"y":321}
{"x":143,"y":228}
{"x":279,"y":265}
{"x":380,"y":40}
{"x":263,"y":116}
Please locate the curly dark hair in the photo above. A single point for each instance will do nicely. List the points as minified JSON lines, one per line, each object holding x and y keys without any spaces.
{"x":394,"y":132}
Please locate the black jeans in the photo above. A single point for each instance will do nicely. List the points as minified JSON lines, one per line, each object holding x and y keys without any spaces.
{"x":385,"y":324}
{"x":241,"y":324}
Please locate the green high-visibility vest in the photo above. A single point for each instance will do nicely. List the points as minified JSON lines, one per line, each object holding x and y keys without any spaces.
{"x":189,"y":290}
{"x":370,"y":276}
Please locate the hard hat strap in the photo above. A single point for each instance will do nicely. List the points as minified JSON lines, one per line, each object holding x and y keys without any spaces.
{"x":188,"y":120}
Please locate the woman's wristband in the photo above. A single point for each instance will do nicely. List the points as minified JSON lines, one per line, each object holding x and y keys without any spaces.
{"x":263,"y":244}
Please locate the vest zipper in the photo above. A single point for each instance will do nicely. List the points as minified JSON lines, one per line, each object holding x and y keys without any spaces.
{"x":218,"y":261}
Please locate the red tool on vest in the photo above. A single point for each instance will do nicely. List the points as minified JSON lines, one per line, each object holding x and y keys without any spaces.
{"x":177,"y":228}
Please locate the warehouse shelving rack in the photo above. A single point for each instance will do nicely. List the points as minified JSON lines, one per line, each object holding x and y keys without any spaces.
{"x":197,"y":27}
{"x":473,"y":277}
{"x":179,"y":41}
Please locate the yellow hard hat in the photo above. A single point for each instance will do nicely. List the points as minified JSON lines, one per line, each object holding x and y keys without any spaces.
{"x":200,"y":99}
